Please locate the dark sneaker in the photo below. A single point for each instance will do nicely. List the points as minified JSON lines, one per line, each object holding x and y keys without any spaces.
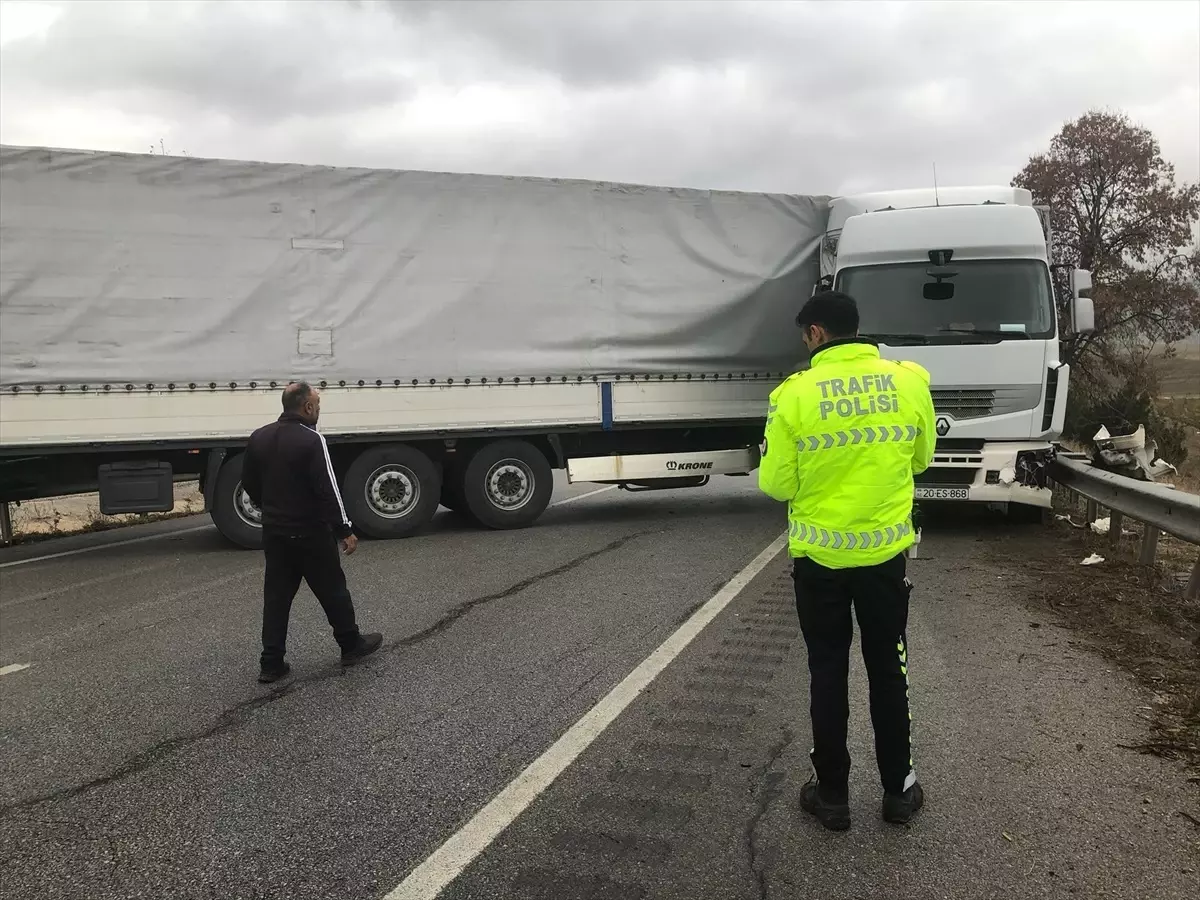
{"x":900,"y":808}
{"x":367,"y":644}
{"x":267,"y":674}
{"x":834,"y":816}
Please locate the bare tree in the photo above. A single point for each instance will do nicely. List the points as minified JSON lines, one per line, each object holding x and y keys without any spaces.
{"x":1117,"y":210}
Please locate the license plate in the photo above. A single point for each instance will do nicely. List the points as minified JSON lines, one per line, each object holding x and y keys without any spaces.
{"x":932,"y":493}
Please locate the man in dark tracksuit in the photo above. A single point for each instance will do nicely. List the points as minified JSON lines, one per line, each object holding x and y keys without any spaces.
{"x":288,"y":474}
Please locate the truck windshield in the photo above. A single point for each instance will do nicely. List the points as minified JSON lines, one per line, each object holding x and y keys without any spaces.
{"x":973,"y":301}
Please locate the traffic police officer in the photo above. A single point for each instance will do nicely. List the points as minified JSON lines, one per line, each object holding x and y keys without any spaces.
{"x":843,"y":441}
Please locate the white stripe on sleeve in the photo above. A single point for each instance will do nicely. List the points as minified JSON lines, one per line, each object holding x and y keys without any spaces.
{"x":332,"y":478}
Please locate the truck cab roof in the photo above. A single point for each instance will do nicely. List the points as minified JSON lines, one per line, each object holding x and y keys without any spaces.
{"x":842,"y":208}
{"x":972,"y":232}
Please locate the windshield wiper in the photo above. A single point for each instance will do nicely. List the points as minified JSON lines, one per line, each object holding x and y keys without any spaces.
{"x":909,"y":338}
{"x":999,"y":333}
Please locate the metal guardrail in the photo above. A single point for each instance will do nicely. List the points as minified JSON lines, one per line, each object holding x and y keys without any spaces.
{"x":1159,"y":508}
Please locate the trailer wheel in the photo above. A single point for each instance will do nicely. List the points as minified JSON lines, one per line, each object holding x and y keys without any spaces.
{"x":235,"y":515}
{"x":392,"y":491}
{"x":507,"y":484}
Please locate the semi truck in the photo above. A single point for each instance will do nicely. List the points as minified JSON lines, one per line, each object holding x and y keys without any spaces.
{"x":960,"y":280}
{"x":470,"y":334}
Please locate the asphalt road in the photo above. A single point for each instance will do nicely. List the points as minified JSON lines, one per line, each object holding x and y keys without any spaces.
{"x":139,"y":758}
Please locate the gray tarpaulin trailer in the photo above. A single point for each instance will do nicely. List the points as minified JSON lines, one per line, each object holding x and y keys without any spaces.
{"x":470,"y":332}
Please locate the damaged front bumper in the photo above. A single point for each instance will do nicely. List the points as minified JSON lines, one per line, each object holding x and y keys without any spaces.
{"x":989,"y":473}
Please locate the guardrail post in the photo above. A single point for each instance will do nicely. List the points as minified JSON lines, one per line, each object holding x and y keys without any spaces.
{"x":6,"y":530}
{"x":1116,"y":522}
{"x":1091,"y":511}
{"x":1192,"y":592}
{"x":1150,"y":536}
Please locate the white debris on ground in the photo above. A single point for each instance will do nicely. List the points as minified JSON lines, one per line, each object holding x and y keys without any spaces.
{"x":1102,"y":526}
{"x":1130,"y":455}
{"x":1094,"y":560}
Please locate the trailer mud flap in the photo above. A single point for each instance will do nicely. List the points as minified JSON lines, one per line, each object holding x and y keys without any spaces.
{"x":136,"y":487}
{"x":216,"y":459}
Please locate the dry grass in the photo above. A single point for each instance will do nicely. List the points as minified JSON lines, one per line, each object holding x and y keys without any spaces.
{"x":1179,"y":394}
{"x":60,"y":516}
{"x":1186,"y":410}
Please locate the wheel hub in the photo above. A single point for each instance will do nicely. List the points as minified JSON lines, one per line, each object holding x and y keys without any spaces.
{"x":509,"y":484}
{"x":392,"y":491}
{"x":245,"y":508}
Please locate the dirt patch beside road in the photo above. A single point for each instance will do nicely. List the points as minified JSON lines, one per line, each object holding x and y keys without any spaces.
{"x":1136,"y":616}
{"x":58,"y":516}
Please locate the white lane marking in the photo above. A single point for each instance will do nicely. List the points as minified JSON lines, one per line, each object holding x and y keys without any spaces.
{"x":566,"y":500}
{"x":15,"y":667}
{"x":446,"y":863}
{"x":127,"y":541}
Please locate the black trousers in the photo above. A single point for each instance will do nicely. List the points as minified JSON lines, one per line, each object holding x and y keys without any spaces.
{"x":315,"y":559}
{"x":879,"y":595}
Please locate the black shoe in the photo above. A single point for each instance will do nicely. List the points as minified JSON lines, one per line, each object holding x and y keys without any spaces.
{"x":900,"y":808}
{"x":267,"y":674}
{"x":367,"y":644}
{"x":834,"y":816}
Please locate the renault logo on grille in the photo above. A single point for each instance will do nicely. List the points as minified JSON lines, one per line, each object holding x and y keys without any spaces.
{"x":942,"y":426}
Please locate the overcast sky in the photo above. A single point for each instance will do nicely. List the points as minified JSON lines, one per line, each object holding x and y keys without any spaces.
{"x":821,"y":97}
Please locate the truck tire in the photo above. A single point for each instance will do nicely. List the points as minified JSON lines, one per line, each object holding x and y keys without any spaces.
{"x":507,"y":484}
{"x":237,"y":519}
{"x":392,"y":491}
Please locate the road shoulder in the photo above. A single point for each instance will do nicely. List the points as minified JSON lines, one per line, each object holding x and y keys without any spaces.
{"x":1019,"y":736}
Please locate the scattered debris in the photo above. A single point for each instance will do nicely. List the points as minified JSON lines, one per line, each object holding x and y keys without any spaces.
{"x":1130,"y":455}
{"x":1094,"y":560}
{"x":1101,"y":526}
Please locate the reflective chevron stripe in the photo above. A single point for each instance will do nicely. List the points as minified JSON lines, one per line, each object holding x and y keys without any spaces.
{"x":849,"y":540}
{"x":873,"y":434}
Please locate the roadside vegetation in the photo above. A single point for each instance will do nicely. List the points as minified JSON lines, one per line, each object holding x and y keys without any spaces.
{"x":1118,"y":210}
{"x":37,"y":520}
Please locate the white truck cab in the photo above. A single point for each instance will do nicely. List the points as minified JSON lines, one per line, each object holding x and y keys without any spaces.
{"x":959,"y":280}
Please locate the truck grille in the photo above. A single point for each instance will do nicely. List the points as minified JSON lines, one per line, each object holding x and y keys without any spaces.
{"x":946,"y":477}
{"x":964,"y":404}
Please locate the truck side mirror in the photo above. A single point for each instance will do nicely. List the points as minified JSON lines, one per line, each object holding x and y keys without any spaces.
{"x":1083,"y":311}
{"x":1084,"y":314}
{"x":1081,"y":282}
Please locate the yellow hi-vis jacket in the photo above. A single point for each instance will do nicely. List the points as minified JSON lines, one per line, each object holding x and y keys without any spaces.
{"x":843,"y":441}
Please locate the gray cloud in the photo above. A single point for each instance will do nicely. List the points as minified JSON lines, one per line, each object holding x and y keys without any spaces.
{"x":620,"y":42}
{"x":223,"y":58}
{"x":820,"y":97}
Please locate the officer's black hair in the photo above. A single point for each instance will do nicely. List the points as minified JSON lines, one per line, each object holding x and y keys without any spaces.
{"x":295,"y":395}
{"x":834,"y":311}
